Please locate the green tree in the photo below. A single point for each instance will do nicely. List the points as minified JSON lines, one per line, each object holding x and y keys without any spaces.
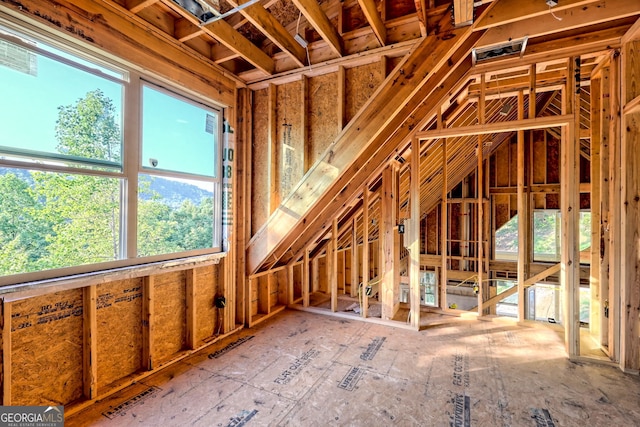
{"x":83,"y":210}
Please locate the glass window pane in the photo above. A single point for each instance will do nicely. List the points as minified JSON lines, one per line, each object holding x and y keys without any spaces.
{"x":174,"y":215}
{"x":57,"y":111}
{"x":178,"y":135}
{"x":546,"y":235}
{"x":506,"y":241}
{"x":53,"y":220}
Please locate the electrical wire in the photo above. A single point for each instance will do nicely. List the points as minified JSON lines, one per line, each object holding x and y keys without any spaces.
{"x":553,"y":14}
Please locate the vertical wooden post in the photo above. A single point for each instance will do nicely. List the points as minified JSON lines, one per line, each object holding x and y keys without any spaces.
{"x":388,"y":291}
{"x":480,"y":196}
{"x":355,"y":274}
{"x":90,"y":343}
{"x":148,"y":291}
{"x":570,"y":209}
{"x":414,"y":235}
{"x":332,"y":265}
{"x":190,"y":292}
{"x":272,"y":155}
{"x":242,"y":218}
{"x":443,"y":228}
{"x":290,"y":282}
{"x":630,"y":244}
{"x":364,"y":309}
{"x":523,"y":222}
{"x":615,"y":196}
{"x":305,"y":278}
{"x":594,"y":276}
{"x":604,"y":207}
{"x":6,"y":353}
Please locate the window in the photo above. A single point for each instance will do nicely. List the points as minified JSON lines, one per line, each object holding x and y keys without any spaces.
{"x":506,"y":240}
{"x":547,"y":237}
{"x":65,"y":183}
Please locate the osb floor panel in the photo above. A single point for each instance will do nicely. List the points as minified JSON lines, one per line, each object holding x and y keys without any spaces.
{"x":305,"y":369}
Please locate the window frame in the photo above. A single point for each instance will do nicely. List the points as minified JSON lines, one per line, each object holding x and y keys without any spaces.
{"x":132,"y":82}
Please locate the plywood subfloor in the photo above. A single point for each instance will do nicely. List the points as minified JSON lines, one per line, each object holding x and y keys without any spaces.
{"x":305,"y":369}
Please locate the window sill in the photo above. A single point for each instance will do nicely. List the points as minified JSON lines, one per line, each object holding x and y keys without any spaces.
{"x":40,"y":287}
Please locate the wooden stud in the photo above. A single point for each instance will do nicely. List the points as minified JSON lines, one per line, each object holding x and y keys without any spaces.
{"x":389,"y":292}
{"x":148,"y":291}
{"x":414,"y":235}
{"x":6,"y":353}
{"x":305,"y":279}
{"x":190,"y":294}
{"x":630,"y":221}
{"x":364,"y":307}
{"x":595,"y":311}
{"x":615,"y":196}
{"x":480,"y":197}
{"x":604,"y":207}
{"x":522,"y":213}
{"x":355,"y":275}
{"x":532,"y":91}
{"x":443,"y":230}
{"x":342,"y":98}
{"x":90,"y":343}
{"x":290,"y":283}
{"x":570,"y":211}
{"x":332,"y":265}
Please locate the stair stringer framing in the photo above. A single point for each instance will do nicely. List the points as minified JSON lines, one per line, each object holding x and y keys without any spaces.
{"x":426,"y":66}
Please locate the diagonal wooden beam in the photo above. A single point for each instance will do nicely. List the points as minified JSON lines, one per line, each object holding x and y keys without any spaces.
{"x":507,"y":11}
{"x":318,"y":19}
{"x":562,"y":20}
{"x":421,"y":11}
{"x":273,"y":29}
{"x":136,"y":6}
{"x":373,"y":17}
{"x":232,"y":39}
{"x":528,"y":283}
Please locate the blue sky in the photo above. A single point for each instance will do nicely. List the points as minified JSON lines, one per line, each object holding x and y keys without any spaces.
{"x":174,"y":132}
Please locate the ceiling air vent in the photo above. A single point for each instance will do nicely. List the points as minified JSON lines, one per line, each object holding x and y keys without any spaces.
{"x":512,"y":48}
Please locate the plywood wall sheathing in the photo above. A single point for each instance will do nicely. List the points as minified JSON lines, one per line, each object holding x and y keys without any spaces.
{"x":47,"y":342}
{"x":289,"y":127}
{"x":361,"y":82}
{"x":208,"y":317}
{"x":323,"y":114}
{"x":119,"y":330}
{"x":260,"y":166}
{"x":170,"y":316}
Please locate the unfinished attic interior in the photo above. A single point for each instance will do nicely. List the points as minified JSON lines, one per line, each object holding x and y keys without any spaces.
{"x":221,"y":212}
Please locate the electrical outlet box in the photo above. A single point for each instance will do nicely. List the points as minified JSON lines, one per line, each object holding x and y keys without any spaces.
{"x":552,"y":3}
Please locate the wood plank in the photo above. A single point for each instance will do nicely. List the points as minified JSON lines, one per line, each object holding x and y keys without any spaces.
{"x":388,"y":292}
{"x":374,"y":20}
{"x":372,"y":119}
{"x":523,"y":218}
{"x":444,"y":235}
{"x":508,"y":11}
{"x":414,"y":236}
{"x":462,"y":12}
{"x":266,"y":23}
{"x":148,"y":291}
{"x":570,"y":209}
{"x":190,"y":300}
{"x":480,"y":183}
{"x":571,"y":18}
{"x":596,"y":300}
{"x":90,"y":343}
{"x":605,"y":249}
{"x":364,"y":299}
{"x":6,"y":353}
{"x":489,"y":128}
{"x":318,"y":19}
{"x":615,"y":208}
{"x":421,"y":11}
{"x":630,"y":154}
{"x":528,"y":283}
{"x":332,"y":265}
{"x":306,"y":282}
{"x":233,"y":40}
{"x":136,"y":6}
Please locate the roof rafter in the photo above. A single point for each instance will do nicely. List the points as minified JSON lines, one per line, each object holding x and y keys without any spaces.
{"x":316,"y":17}
{"x":374,"y":19}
